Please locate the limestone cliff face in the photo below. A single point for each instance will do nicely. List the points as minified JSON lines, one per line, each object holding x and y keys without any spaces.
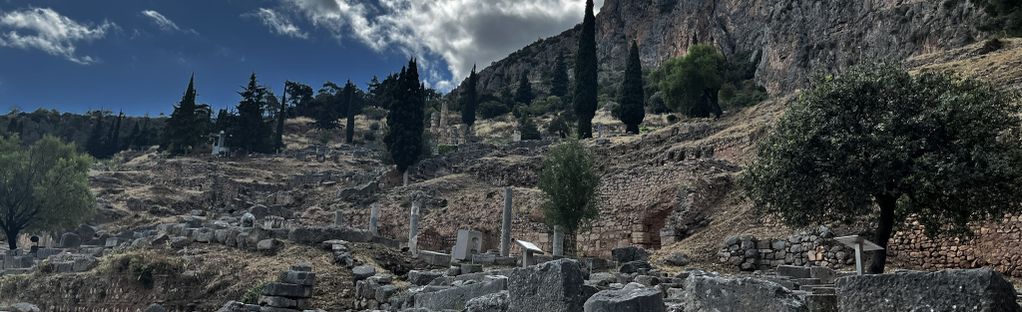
{"x":791,"y":38}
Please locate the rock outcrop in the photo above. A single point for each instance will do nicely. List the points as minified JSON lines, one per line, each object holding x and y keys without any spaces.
{"x":790,"y":39}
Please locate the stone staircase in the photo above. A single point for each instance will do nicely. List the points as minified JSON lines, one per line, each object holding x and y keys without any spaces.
{"x":815,"y":284}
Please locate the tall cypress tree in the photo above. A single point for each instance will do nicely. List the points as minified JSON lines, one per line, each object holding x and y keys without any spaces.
{"x":94,"y":145}
{"x":182,"y":130}
{"x":278,"y":136}
{"x":470,"y":97}
{"x":250,"y":132}
{"x":524,"y":93}
{"x":113,"y":138}
{"x":352,"y":106}
{"x":132,"y":140}
{"x":405,"y":120}
{"x":559,"y":77}
{"x":632,"y":110}
{"x":586,"y":68}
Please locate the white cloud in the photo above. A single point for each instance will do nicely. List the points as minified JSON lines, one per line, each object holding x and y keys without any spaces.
{"x":278,"y":23}
{"x":50,"y":32}
{"x":162,"y":21}
{"x":460,"y":32}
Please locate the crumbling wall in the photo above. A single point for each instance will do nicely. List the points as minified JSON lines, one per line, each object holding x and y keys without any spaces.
{"x":996,"y":244}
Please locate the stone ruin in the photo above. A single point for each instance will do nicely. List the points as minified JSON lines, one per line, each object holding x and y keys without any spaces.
{"x":290,"y":293}
{"x":749,"y":253}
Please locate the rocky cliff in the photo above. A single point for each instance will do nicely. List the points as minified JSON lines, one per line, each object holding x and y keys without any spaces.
{"x":792,"y":39}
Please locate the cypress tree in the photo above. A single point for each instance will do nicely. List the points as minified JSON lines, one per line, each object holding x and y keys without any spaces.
{"x":94,"y":145}
{"x":632,"y":97}
{"x":278,"y":138}
{"x":113,"y":139}
{"x":586,"y":68}
{"x":524,"y":93}
{"x":132,"y":140}
{"x":471,"y":101}
{"x":250,"y":132}
{"x":12,"y":125}
{"x":350,"y":103}
{"x":559,"y":77}
{"x":182,"y":132}
{"x":405,"y":120}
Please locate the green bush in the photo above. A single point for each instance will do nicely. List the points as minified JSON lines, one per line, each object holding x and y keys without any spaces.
{"x":559,"y":127}
{"x":374,"y":113}
{"x":492,"y":109}
{"x":528,"y":129}
{"x":444,"y":149}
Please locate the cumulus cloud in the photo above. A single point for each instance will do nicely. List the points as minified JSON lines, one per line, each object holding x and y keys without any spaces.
{"x":46,"y":30}
{"x":460,"y":32}
{"x":278,"y":23}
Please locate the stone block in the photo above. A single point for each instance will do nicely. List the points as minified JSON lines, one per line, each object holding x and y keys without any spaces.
{"x":269,"y":245}
{"x":283,"y":302}
{"x":824,"y":274}
{"x":362,"y":272}
{"x":70,"y":240}
{"x":549,"y":286}
{"x":304,"y":278}
{"x":632,"y":298}
{"x":495,"y":302}
{"x":741,"y":294}
{"x":468,"y":243}
{"x":422,"y":278}
{"x":950,"y":290}
{"x":287,"y":290}
{"x":471,"y":268}
{"x":384,"y":292}
{"x":434,"y":258}
{"x":794,"y":271}
{"x":822,"y":303}
{"x":455,"y":298}
{"x":629,"y":253}
{"x":635,"y":266}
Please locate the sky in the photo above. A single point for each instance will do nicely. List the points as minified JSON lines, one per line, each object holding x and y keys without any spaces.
{"x":136,"y":56}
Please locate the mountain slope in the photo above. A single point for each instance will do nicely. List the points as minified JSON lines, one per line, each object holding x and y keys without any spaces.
{"x":792,"y":39}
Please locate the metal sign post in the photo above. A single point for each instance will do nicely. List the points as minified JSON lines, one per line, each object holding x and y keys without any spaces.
{"x":859,"y":244}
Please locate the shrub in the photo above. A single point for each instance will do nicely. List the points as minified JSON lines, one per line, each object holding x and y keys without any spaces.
{"x":492,"y":109}
{"x":528,"y":129}
{"x":374,"y":113}
{"x":559,"y":127}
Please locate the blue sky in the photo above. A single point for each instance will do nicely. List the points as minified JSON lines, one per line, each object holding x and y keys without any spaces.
{"x":137,"y":55}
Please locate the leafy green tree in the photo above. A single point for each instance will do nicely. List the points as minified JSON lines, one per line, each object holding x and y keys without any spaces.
{"x":528,"y":129}
{"x":570,"y":181}
{"x":878,"y":142}
{"x":524,"y":92}
{"x":632,"y":108}
{"x":42,"y":187}
{"x":406,"y":120}
{"x":586,"y":69}
{"x":184,"y":130}
{"x":691,"y":83}
{"x":328,"y":105}
{"x":301,"y":99}
{"x":559,"y":77}
{"x":470,"y":96}
{"x":251,"y":133}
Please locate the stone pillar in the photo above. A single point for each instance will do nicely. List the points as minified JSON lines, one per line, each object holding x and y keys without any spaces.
{"x":413,"y":228}
{"x":505,"y":226}
{"x":374,"y":212}
{"x":558,"y":241}
{"x":405,"y":179}
{"x":338,"y":218}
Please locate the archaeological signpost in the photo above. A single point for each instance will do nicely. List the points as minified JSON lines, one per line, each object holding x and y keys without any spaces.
{"x":859,"y":244}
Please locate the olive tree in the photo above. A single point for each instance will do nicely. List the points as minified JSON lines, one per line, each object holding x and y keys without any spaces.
{"x":569,"y":180}
{"x":877,"y":142}
{"x":44,"y":186}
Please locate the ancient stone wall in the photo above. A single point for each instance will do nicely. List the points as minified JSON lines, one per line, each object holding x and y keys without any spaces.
{"x":997,"y":245}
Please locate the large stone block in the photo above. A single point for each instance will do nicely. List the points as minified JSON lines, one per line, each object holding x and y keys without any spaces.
{"x":422,"y":278}
{"x":950,"y":290}
{"x":287,"y":290}
{"x":495,"y":302}
{"x":794,"y":271}
{"x":554,"y":286}
{"x":742,"y":294}
{"x":455,"y":298}
{"x":632,"y":298}
{"x":304,"y":278}
{"x":629,"y":253}
{"x":70,"y":240}
{"x":434,"y":258}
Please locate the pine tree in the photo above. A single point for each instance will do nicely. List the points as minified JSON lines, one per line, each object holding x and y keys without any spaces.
{"x":471,"y":101}
{"x":250,"y":132}
{"x":559,"y":77}
{"x":12,"y":125}
{"x":327,"y":105}
{"x":350,"y":103}
{"x":632,"y":110}
{"x":586,"y":69}
{"x":301,"y":98}
{"x":405,"y":121}
{"x":524,"y":92}
{"x":278,"y":138}
{"x":182,"y":132}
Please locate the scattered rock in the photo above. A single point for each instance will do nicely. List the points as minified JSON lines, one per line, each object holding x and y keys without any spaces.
{"x":156,"y":307}
{"x":269,"y":245}
{"x":363,"y":272}
{"x":70,"y":240}
{"x":549,"y":286}
{"x":495,"y":302}
{"x":422,"y":278}
{"x":635,"y":266}
{"x":677,"y":259}
{"x":741,"y":294}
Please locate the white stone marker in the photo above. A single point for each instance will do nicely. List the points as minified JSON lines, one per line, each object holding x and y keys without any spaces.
{"x":374,"y":212}
{"x":413,"y":228}
{"x":860,"y":244}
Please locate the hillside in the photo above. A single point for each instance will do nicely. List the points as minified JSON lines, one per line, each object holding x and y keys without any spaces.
{"x":791,"y":39}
